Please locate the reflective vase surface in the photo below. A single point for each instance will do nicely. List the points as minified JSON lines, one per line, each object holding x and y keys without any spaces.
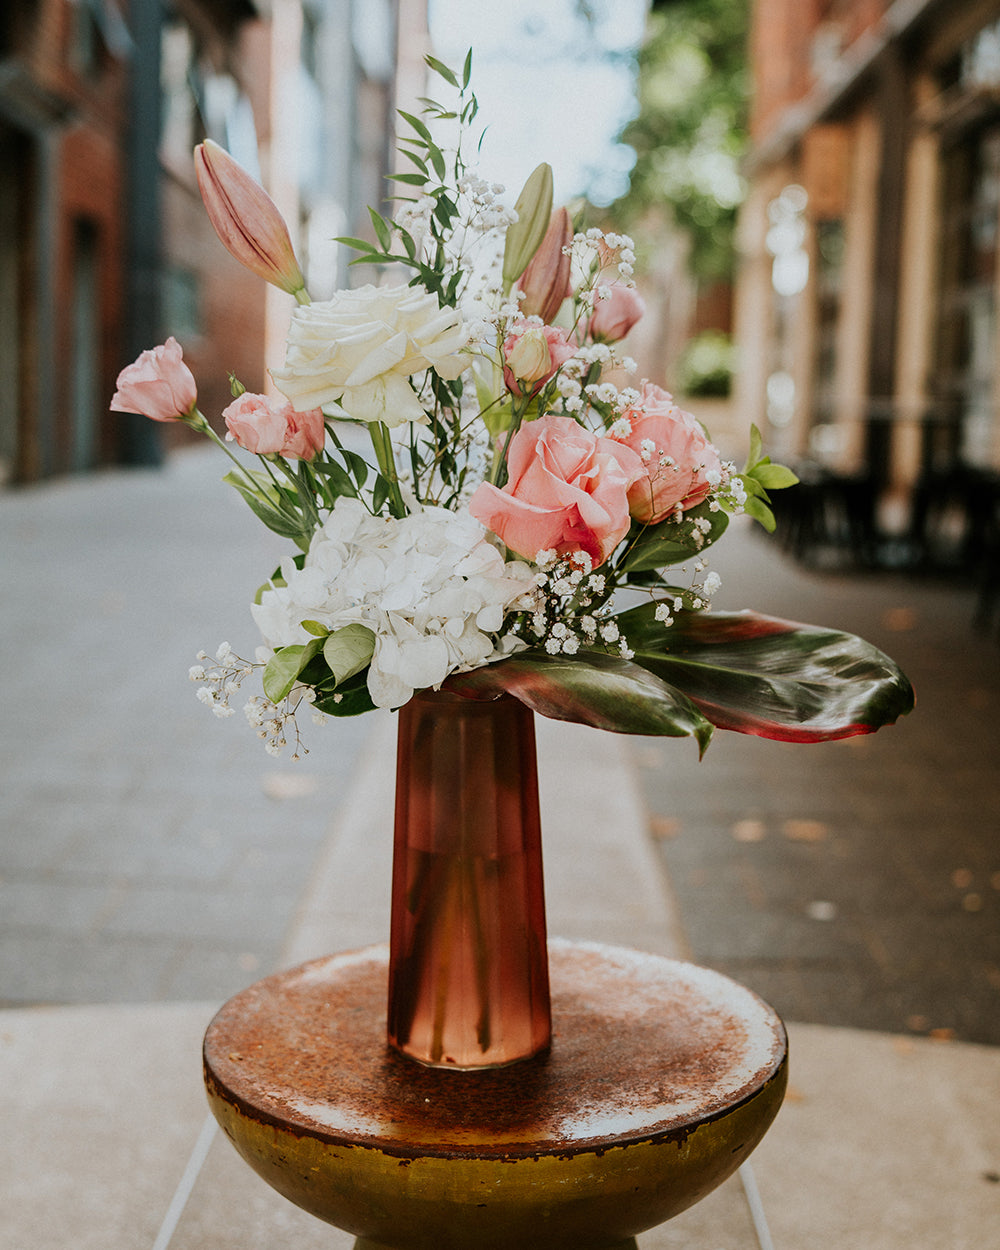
{"x":468,"y":965}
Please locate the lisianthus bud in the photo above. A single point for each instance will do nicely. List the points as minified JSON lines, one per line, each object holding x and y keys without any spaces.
{"x":545,"y":282}
{"x":531,"y":356}
{"x":269,"y":426}
{"x":246,"y":219}
{"x":159,"y":385}
{"x":614,"y":316}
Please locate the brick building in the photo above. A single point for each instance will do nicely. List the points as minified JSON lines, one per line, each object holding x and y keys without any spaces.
{"x":867,"y":296}
{"x":104,"y":245}
{"x":62,"y":122}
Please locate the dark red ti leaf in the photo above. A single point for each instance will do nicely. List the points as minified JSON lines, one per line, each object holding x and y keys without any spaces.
{"x":760,"y":675}
{"x":591,"y":688}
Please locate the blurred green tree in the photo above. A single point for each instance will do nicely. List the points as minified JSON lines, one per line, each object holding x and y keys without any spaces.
{"x":690,"y":133}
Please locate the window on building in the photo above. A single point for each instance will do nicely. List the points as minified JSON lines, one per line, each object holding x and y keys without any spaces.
{"x":960,"y":427}
{"x":86,"y":401}
{"x":180,"y":297}
{"x":97,"y":32}
{"x":181,"y":125}
{"x":829,"y":294}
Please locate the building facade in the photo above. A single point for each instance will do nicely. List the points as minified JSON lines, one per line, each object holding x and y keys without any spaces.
{"x":867,"y":295}
{"x":105,"y":247}
{"x":62,"y":229}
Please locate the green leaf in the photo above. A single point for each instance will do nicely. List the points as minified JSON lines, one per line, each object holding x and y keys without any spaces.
{"x":350,"y":699}
{"x":357,"y":464}
{"x":467,"y":70}
{"x":348,"y":650}
{"x":414,"y":180}
{"x":284,"y":667}
{"x":760,"y":512}
{"x":752,"y":486}
{"x":383,"y":231}
{"x":417,"y":125}
{"x":439,"y":67}
{"x":314,"y":627}
{"x":756,"y":447}
{"x":360,"y":245}
{"x":338,"y":481}
{"x":437,"y":160}
{"x":279,"y":522}
{"x":774,"y":476}
{"x":776,"y":679}
{"x":591,"y":688}
{"x":380,"y":493}
{"x":671,"y":541}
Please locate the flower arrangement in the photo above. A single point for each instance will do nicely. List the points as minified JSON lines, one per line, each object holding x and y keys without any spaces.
{"x":519,"y":481}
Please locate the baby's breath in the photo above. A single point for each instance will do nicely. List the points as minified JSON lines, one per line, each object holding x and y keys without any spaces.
{"x":220,"y":680}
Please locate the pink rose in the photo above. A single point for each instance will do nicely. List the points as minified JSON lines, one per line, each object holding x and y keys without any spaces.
{"x":531,"y":355}
{"x":268,"y":426}
{"x":159,"y":385}
{"x":567,"y":491}
{"x":613,"y":317}
{"x":676,"y":457}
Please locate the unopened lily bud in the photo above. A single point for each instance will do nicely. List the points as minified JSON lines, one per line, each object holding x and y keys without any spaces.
{"x":246,"y":219}
{"x":533,"y":208}
{"x":545,"y":282}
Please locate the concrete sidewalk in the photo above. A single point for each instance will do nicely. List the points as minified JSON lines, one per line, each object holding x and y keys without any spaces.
{"x":884,"y":1142}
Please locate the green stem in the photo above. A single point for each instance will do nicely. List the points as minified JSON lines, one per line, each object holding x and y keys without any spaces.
{"x":307,"y":503}
{"x":198,"y":422}
{"x":382,"y":443}
{"x":498,"y":471}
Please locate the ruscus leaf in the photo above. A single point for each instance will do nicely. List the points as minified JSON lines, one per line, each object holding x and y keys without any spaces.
{"x":774,"y":476}
{"x":382,"y":229}
{"x":439,"y":67}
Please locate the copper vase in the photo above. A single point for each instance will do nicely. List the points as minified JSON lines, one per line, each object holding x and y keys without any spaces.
{"x":468,"y":967}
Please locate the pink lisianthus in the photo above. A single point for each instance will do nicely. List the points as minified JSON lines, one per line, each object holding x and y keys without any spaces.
{"x":679,"y":464}
{"x":614,"y":316}
{"x":158,"y":385}
{"x":268,"y":426}
{"x":567,"y":491}
{"x":531,"y":355}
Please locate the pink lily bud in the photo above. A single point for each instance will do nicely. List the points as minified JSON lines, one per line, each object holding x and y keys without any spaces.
{"x":615,"y":315}
{"x":159,"y":385}
{"x":545,"y":282}
{"x":246,"y":219}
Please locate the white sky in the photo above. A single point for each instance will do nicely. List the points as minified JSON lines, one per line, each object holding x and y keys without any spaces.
{"x":551,"y":87}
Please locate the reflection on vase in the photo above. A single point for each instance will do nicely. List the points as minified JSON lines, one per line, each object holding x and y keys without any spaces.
{"x":468,"y":969}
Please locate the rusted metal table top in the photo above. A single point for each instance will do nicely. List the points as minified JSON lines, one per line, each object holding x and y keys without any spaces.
{"x":644,"y":1048}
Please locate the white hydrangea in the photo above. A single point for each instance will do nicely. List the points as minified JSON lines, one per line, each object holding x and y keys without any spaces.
{"x":431,"y":587}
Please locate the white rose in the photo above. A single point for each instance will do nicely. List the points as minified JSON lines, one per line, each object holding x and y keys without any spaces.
{"x":357,"y":349}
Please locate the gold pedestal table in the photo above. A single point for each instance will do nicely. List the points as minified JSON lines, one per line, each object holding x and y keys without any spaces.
{"x":661,"y":1079}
